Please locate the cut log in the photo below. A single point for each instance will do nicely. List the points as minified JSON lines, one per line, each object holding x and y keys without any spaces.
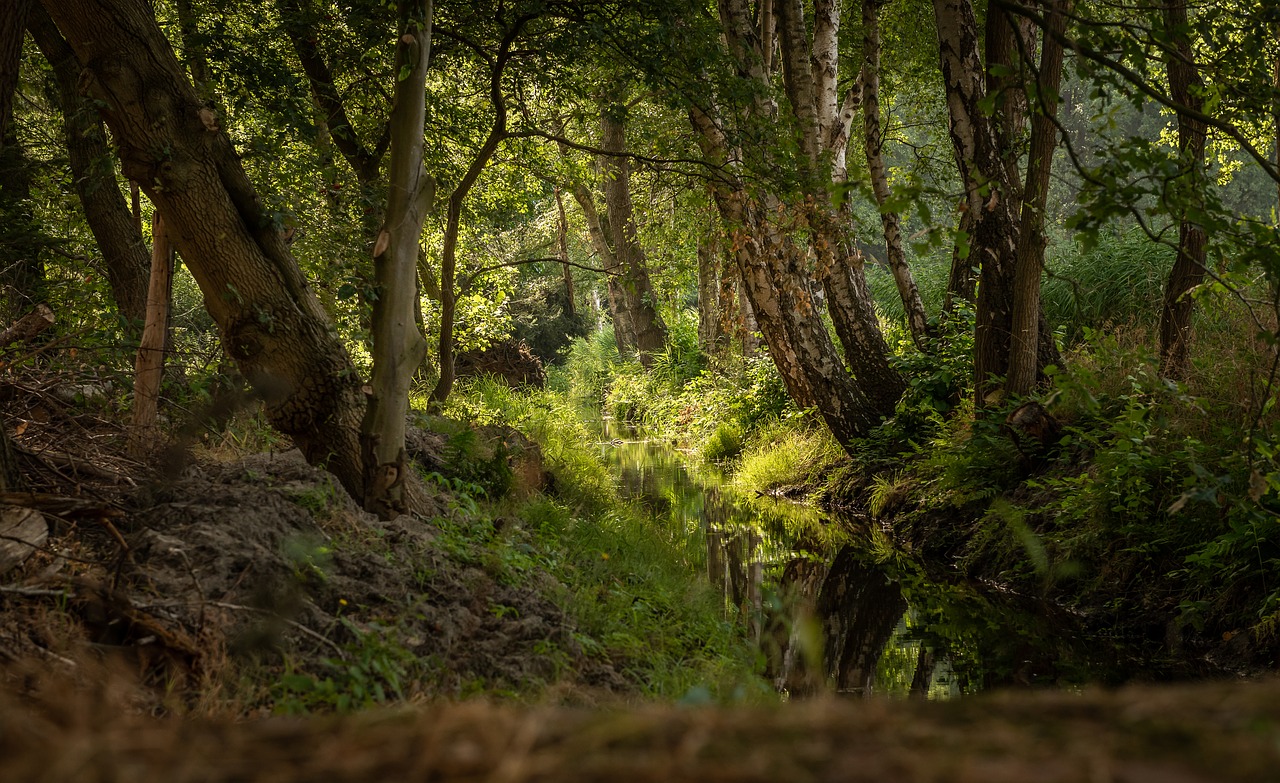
{"x":22,"y":532}
{"x":29,"y":326}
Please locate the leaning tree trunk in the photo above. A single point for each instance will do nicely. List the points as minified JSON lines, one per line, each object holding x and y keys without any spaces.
{"x":398,"y":346}
{"x":879,"y":171}
{"x":1187,"y":88}
{"x":124,"y":253}
{"x":650,"y":331}
{"x":269,"y":319}
{"x":809,"y":65}
{"x":760,"y":295}
{"x":1023,"y":358}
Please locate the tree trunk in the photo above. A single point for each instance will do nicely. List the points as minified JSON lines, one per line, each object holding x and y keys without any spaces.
{"x":148,"y":366}
{"x":1007,"y":38}
{"x":1186,"y":88}
{"x":562,"y":237}
{"x":1023,"y":358}
{"x":398,"y":346}
{"x":453,"y":217}
{"x":963,"y":279}
{"x":13,"y":22}
{"x":650,"y":331}
{"x":874,"y":137}
{"x":757,"y":289}
{"x":809,"y":69}
{"x":270,"y":322}
{"x":710,"y":328}
{"x":624,"y":332}
{"x":988,"y":195}
{"x":123,"y":251}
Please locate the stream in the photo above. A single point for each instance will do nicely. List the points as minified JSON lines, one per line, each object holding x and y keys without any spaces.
{"x":838,"y":611}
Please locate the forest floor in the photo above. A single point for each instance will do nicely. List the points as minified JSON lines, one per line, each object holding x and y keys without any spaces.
{"x":142,"y":640}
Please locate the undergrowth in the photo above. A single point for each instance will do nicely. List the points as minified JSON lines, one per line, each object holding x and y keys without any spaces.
{"x":1153,"y":507}
{"x":633,"y":588}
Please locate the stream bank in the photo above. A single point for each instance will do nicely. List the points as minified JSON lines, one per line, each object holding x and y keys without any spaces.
{"x":845,"y":601}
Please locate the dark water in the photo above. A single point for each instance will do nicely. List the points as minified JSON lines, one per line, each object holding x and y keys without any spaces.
{"x":833,"y":606}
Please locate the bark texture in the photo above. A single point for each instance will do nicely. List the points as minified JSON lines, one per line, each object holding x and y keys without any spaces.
{"x":398,"y":346}
{"x":649,"y":330}
{"x":270,"y":321}
{"x":124,"y":253}
{"x":1186,"y":87}
{"x":1023,"y":358}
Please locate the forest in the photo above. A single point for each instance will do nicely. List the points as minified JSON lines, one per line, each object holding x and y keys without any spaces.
{"x":639,"y":389}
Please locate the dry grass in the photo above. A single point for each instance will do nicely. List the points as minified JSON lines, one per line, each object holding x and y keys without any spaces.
{"x":1219,"y":732}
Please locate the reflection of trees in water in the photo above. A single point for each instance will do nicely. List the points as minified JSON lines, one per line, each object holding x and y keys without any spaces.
{"x":825,"y":627}
{"x":733,"y":558}
{"x":860,"y":608}
{"x":834,"y":626}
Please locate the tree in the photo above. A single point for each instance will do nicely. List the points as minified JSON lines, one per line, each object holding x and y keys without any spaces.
{"x":398,"y":347}
{"x":869,"y":81}
{"x":1023,"y":358}
{"x":774,"y":264}
{"x":1186,"y":88}
{"x":496,"y":65}
{"x":92,"y":170}
{"x":628,"y":255}
{"x":270,"y":321}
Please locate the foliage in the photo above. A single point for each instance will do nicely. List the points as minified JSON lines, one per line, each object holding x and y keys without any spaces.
{"x":373,"y":671}
{"x":1118,"y":279}
{"x":632,"y":588}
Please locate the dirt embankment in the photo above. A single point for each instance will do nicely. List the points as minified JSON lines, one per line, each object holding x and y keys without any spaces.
{"x":258,"y":578}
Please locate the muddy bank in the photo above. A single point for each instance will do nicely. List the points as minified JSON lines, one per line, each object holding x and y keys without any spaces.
{"x":1223,"y":732}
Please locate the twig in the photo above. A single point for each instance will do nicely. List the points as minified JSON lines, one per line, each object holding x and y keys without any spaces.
{"x":241,"y":608}
{"x":35,"y":592}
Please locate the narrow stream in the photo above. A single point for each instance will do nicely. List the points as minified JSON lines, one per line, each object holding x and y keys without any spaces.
{"x":838,"y":611}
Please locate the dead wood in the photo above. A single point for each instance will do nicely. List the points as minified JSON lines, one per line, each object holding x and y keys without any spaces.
{"x":29,"y":326}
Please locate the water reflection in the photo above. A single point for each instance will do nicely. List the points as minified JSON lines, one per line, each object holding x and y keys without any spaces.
{"x":834,"y":612}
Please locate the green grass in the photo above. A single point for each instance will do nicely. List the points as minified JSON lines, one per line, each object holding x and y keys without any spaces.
{"x":632,"y":584}
{"x":787,"y":453}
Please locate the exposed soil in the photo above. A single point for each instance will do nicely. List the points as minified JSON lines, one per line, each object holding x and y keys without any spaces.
{"x":231,"y":573}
